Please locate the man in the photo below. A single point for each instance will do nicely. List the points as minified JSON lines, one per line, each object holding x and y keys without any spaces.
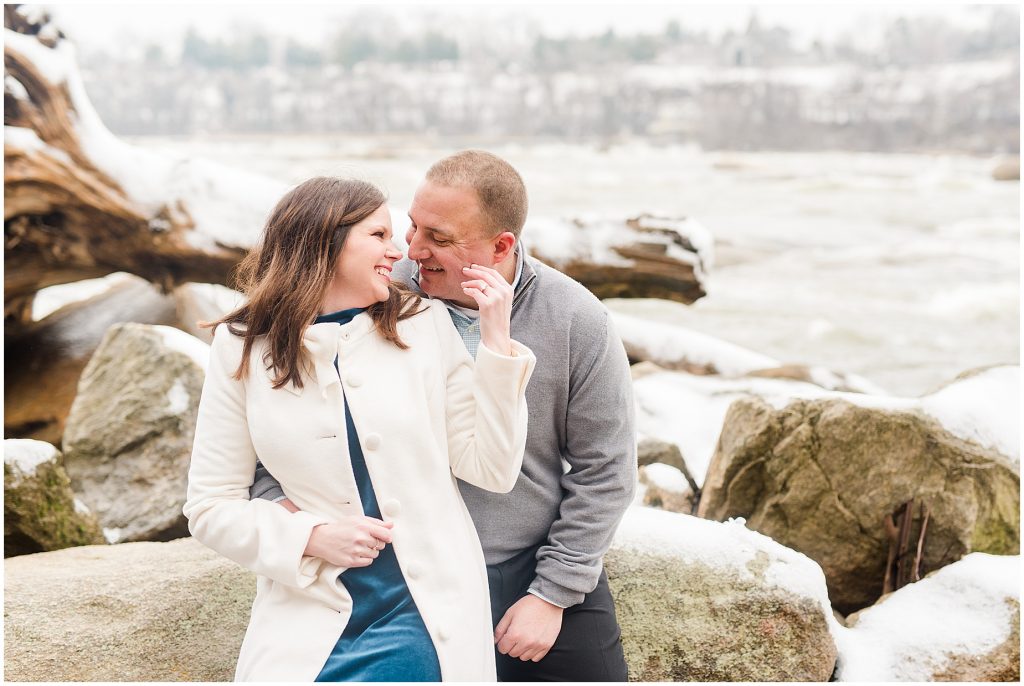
{"x":545,"y":540}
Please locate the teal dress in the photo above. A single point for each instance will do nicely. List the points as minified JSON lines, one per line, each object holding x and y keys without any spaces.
{"x":385,"y":639}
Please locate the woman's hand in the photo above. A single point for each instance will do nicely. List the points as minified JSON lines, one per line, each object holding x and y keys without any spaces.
{"x":354,"y":541}
{"x":493,"y":295}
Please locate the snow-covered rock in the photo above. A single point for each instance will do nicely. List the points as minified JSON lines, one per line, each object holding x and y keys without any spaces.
{"x":820,"y":475}
{"x":129,"y":434}
{"x":981,"y":406}
{"x":664,"y":487}
{"x":961,"y":623}
{"x":709,"y":601}
{"x":40,"y":510}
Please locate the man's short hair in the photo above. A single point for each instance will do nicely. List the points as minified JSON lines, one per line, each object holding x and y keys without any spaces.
{"x":498,"y":186}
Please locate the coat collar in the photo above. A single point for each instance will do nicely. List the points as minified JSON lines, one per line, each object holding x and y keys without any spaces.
{"x":321,"y":342}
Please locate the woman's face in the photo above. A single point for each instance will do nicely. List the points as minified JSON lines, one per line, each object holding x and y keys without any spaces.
{"x":363,"y":270}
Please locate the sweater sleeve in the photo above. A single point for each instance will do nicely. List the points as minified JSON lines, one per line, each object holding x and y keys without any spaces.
{"x":265,"y":486}
{"x":485,"y":413}
{"x":257,"y":534}
{"x":601,"y":454}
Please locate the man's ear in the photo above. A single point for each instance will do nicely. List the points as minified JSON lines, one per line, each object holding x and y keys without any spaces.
{"x":504,"y":244}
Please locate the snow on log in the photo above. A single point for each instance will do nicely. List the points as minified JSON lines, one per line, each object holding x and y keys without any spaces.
{"x":641,"y":257}
{"x":79,"y":203}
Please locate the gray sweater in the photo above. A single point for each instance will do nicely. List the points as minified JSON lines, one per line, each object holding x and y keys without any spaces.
{"x":579,"y":470}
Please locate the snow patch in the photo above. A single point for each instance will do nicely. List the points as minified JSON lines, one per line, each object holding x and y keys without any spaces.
{"x":177,"y":398}
{"x":728,"y":546}
{"x":909,"y":635}
{"x":594,"y":237}
{"x":25,"y":455}
{"x":53,"y":64}
{"x":181,"y":342}
{"x":52,"y":298}
{"x":16,"y":89}
{"x":670,"y":344}
{"x":983,"y":408}
{"x":666,"y":477}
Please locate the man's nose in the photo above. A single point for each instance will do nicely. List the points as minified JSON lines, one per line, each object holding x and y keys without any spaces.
{"x":416,"y":250}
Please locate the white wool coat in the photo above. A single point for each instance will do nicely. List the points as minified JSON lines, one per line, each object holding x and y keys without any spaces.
{"x":424,"y":416}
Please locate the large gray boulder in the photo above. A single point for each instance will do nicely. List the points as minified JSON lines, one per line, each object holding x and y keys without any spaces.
{"x":129,"y":434}
{"x":40,"y":510}
{"x":133,"y":612}
{"x":819,"y":476}
{"x":705,"y":601}
{"x":961,"y":623}
{"x":43,"y":361}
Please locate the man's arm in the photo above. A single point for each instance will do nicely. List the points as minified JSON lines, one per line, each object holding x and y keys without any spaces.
{"x":601,"y":452}
{"x":266,"y":487}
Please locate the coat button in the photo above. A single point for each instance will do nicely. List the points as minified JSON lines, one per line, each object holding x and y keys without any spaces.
{"x":354,"y":380}
{"x":346,"y":336}
{"x":391,"y":507}
{"x":415,"y":571}
{"x":443,"y":633}
{"x":372,"y":441}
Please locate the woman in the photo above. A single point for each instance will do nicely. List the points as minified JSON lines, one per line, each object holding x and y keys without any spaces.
{"x":364,"y":403}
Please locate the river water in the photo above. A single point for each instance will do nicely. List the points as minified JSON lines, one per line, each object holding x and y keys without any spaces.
{"x":904,"y":269}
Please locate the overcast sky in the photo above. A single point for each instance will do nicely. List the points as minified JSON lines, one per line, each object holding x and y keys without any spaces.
{"x":97,"y":25}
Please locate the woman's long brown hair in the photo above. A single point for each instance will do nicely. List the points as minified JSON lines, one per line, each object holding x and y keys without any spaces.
{"x":285,"y":277}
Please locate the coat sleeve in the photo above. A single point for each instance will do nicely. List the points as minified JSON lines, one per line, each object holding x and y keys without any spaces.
{"x":485,"y":411}
{"x":258,"y":534}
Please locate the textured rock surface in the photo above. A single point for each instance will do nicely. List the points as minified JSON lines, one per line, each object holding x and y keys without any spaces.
{"x":819,"y":476}
{"x":129,"y":434}
{"x":40,"y":512}
{"x":697,"y":600}
{"x":44,"y":361}
{"x":705,"y":601}
{"x":133,"y":612}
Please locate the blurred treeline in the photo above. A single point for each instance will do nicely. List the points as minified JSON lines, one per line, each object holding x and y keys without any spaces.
{"x":922,"y":83}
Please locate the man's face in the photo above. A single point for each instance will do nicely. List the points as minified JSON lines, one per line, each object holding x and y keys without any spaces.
{"x":448,"y":231}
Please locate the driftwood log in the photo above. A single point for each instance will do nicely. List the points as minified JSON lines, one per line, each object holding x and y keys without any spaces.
{"x":65,"y":219}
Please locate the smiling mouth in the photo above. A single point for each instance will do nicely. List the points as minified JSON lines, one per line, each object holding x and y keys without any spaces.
{"x":435,"y":270}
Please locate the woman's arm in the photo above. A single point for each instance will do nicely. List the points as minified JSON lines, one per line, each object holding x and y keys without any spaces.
{"x":486,"y":414}
{"x":258,"y":534}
